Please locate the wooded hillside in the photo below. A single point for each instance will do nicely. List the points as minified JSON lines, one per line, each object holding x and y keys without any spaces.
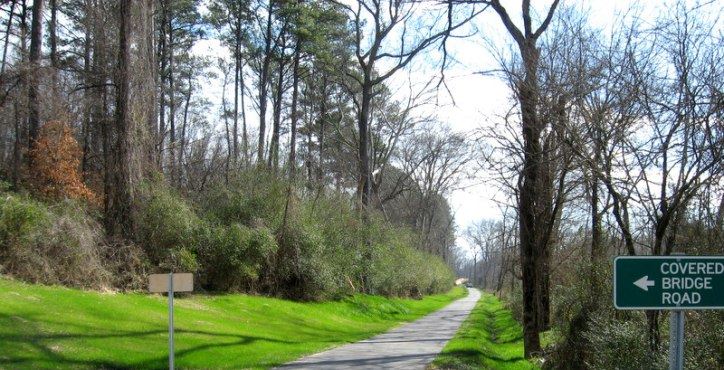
{"x":309,"y":179}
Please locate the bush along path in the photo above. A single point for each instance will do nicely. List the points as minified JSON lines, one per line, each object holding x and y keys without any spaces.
{"x":489,"y":339}
{"x":411,"y":346}
{"x":62,"y":328}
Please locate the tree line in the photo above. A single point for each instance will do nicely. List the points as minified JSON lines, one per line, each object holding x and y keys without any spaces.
{"x":612,"y":146}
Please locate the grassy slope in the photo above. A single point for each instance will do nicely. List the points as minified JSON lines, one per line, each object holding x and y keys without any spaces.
{"x":53,"y":327}
{"x":489,"y":339}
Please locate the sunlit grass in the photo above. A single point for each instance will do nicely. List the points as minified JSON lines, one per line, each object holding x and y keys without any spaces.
{"x":55,"y":327}
{"x":490,"y":338}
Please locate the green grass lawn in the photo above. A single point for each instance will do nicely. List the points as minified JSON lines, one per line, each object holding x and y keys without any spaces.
{"x":490,"y":338}
{"x":55,"y":327}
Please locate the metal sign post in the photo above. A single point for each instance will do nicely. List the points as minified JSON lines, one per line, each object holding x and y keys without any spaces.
{"x":170,"y":283}
{"x":676,"y":340}
{"x":170,"y":321}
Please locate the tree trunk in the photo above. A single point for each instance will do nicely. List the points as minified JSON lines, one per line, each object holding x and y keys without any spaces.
{"x":720,"y":216}
{"x":171,"y":103}
{"x":244,"y":132}
{"x":52,"y":31}
{"x":475,"y":269}
{"x":162,"y":51}
{"x":237,"y":73}
{"x":182,"y":146}
{"x":108,"y":170}
{"x":8,"y":30}
{"x":596,"y":245}
{"x":532,"y":209}
{"x":530,"y":255}
{"x":549,"y":204}
{"x":544,"y":287}
{"x":294,"y":118}
{"x":119,"y":215}
{"x":503,"y":258}
{"x":36,"y":39}
{"x":19,"y":126}
{"x":86,"y":95}
{"x":276,"y":123}
{"x":654,"y":335}
{"x":17,"y":148}
{"x":225,"y":111}
{"x":365,"y":180}
{"x":322,"y":128}
{"x":293,"y":143}
{"x":149,"y":19}
{"x":308,"y":159}
{"x":100,"y":135}
{"x":241,"y":92}
{"x":263,"y":84}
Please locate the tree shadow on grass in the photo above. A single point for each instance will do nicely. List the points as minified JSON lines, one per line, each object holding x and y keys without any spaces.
{"x":511,"y":340}
{"x":28,"y":334}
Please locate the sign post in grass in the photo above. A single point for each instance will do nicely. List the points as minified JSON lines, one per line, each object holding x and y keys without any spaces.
{"x":673,"y":283}
{"x":170,"y":283}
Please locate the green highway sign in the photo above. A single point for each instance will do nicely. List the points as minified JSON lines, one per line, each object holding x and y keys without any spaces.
{"x":668,"y":282}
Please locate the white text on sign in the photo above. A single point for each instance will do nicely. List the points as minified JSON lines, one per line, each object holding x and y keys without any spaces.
{"x":687,"y":282}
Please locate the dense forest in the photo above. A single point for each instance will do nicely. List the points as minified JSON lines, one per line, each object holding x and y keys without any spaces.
{"x":291,"y":165}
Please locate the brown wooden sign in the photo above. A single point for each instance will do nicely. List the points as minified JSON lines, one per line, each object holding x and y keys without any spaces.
{"x":183,"y":282}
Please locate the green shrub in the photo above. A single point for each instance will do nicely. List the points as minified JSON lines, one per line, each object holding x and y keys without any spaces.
{"x":322,"y":251}
{"x":166,"y":229}
{"x":442,"y":278}
{"x":704,"y":339}
{"x":621,"y":342}
{"x":234,"y":258}
{"x":574,"y":304}
{"x":514,"y":302}
{"x":399,"y":269}
{"x":19,"y":218}
{"x":61,"y":244}
{"x":253,"y":197}
{"x":334,"y":221}
{"x":248,"y":238}
{"x":307,"y":268}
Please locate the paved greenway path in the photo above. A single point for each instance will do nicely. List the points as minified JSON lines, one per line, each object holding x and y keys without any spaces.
{"x":411,"y":346}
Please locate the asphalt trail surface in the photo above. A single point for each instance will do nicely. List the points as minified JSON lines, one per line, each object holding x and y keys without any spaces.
{"x":411,"y":346}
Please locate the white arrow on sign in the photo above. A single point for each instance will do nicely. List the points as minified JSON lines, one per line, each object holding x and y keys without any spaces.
{"x":644,"y":283}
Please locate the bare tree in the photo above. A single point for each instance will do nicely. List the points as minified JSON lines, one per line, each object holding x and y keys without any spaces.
{"x":533,"y":214}
{"x":376,"y":26}
{"x":481,"y":235}
{"x":437,"y":163}
{"x":649,"y":135}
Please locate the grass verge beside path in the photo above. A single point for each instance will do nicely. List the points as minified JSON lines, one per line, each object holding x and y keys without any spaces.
{"x":490,"y":338}
{"x":54,"y":327}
